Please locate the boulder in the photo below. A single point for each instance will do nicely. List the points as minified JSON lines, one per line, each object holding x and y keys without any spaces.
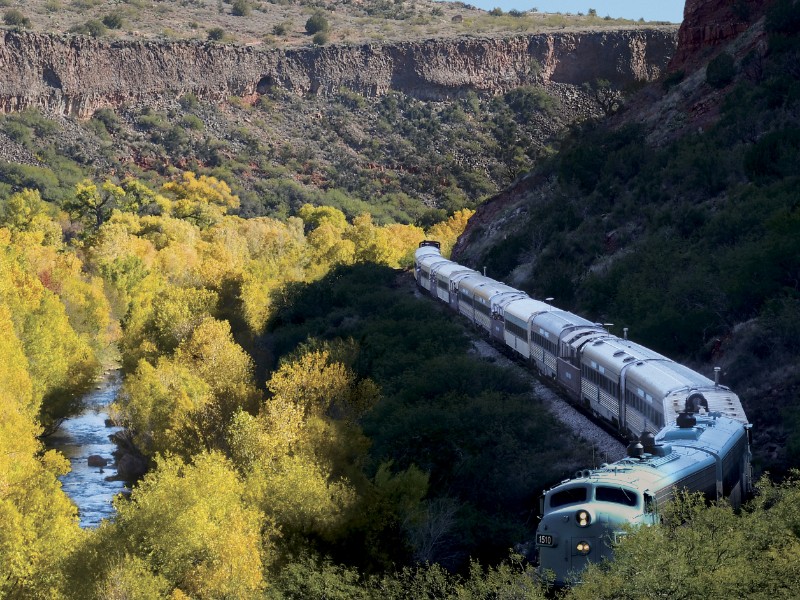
{"x":95,"y":460}
{"x":130,"y":467}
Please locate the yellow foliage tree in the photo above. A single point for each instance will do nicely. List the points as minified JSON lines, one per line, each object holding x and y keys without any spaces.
{"x":92,"y":205}
{"x":61,"y":363}
{"x":202,"y":200}
{"x":212,"y":354}
{"x":447,"y":232}
{"x":403,"y":242}
{"x":39,"y":523}
{"x":164,"y":409}
{"x":189,"y":524}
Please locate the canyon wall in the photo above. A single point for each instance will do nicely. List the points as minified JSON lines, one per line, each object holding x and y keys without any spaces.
{"x":708,"y":24}
{"x":76,"y":75}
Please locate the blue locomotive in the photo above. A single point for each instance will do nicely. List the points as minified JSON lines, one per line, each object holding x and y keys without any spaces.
{"x":584,"y":516}
{"x":689,"y":432}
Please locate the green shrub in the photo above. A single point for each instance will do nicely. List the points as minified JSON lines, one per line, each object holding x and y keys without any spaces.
{"x":188,"y":101}
{"x":113,"y":21}
{"x":240,"y":8}
{"x":216,"y":34}
{"x":774,"y":156}
{"x":108,"y":118}
{"x":320,"y":38}
{"x":673,"y":79}
{"x":14,"y":18}
{"x":316,"y":23}
{"x":280,"y":29}
{"x":783,"y":17}
{"x":720,"y":71}
{"x":92,"y":27}
{"x":192,"y":122}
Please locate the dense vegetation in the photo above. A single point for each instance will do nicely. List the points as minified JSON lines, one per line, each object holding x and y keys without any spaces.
{"x":718,"y":207}
{"x":400,"y":159}
{"x":316,"y":431}
{"x":376,"y":459}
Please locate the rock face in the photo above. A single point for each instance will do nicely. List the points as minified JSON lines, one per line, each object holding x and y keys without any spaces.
{"x":711,"y":23}
{"x":76,"y":75}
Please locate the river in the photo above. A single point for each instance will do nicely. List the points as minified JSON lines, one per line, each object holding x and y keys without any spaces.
{"x":82,"y":436}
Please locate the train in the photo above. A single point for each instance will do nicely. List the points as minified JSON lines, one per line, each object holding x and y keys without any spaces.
{"x":685,"y":430}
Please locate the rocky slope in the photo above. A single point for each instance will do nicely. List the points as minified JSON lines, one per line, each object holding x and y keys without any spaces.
{"x":708,"y":24}
{"x":76,"y":75}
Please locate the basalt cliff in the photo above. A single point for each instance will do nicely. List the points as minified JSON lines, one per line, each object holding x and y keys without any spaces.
{"x":76,"y":75}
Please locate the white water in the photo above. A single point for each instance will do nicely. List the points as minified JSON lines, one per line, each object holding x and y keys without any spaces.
{"x":82,"y":436}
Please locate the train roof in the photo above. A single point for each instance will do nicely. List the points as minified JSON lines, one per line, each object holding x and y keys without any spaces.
{"x":665,"y":379}
{"x":448,"y":269}
{"x":683,"y":449}
{"x":486,"y":288}
{"x":525,"y":308}
{"x":426,"y":250}
{"x":613,"y":352}
{"x":556,"y":321}
{"x":427,"y":261}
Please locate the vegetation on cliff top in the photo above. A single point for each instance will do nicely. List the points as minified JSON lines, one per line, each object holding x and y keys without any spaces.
{"x":281,"y":23}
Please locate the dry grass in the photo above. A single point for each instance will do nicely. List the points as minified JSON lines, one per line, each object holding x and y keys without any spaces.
{"x":281,"y":24}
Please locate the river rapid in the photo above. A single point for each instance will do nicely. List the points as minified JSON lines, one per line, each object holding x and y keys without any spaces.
{"x":85,"y":435}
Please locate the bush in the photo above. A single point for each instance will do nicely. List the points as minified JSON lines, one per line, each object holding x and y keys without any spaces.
{"x":320,"y":38}
{"x":216,"y":34}
{"x":720,"y":71}
{"x":113,"y":21}
{"x":188,"y":101}
{"x":240,"y":8}
{"x":316,"y":23}
{"x":14,"y":18}
{"x":280,"y":29}
{"x":108,"y":118}
{"x":92,"y":27}
{"x":783,"y":17}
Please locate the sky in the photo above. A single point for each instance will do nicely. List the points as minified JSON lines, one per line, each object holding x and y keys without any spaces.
{"x":650,"y":10}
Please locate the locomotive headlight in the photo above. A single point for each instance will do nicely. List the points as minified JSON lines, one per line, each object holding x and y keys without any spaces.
{"x":583,"y":518}
{"x":583,"y":548}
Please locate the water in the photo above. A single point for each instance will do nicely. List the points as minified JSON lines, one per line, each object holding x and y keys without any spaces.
{"x":82,"y":436}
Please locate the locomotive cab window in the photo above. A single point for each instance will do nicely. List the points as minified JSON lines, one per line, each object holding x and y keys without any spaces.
{"x":568,"y":496}
{"x":617,"y":495}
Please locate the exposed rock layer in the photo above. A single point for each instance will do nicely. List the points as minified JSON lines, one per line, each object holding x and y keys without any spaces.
{"x":77,"y":75}
{"x":708,"y":24}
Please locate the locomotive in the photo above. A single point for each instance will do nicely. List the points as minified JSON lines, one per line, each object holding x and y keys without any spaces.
{"x":583,"y":517}
{"x":688,"y":431}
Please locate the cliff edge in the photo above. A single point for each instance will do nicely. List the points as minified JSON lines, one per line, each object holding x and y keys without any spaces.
{"x":77,"y":75}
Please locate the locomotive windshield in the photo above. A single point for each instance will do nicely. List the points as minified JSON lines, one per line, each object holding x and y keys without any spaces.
{"x":568,"y":496}
{"x":616,"y":495}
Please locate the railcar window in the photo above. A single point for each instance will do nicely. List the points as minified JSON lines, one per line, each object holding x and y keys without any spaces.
{"x":568,"y":496}
{"x":518,"y":331}
{"x":617,"y":495}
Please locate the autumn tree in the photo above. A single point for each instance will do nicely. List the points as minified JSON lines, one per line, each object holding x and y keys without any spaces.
{"x":202,"y":200}
{"x":447,"y":232}
{"x":189,"y":528}
{"x":92,"y":205}
{"x":39,"y":523}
